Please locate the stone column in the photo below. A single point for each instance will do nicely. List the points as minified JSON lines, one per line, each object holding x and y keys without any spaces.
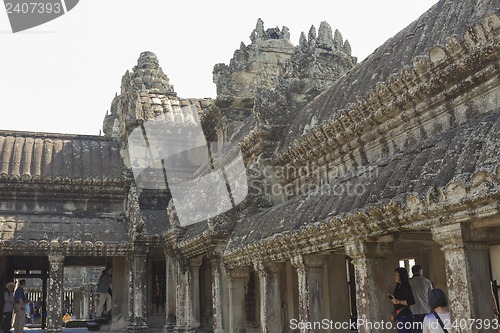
{"x":270,"y":296}
{"x":237,"y":279}
{"x":336,"y":284}
{"x":193,"y":294}
{"x":370,"y":266}
{"x":77,"y":303}
{"x":137,"y":296}
{"x":171,"y":287}
{"x":86,"y":303}
{"x":120,"y":310}
{"x":467,"y":273}
{"x":220,"y":291}
{"x":55,"y":293}
{"x":310,"y":281}
{"x":181,"y":295}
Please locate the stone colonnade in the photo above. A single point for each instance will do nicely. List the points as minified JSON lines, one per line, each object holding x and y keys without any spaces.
{"x":313,"y":288}
{"x":308,"y":288}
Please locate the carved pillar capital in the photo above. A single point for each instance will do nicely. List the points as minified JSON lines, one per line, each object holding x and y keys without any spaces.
{"x":268,"y":267}
{"x":56,"y":258}
{"x":239,"y":274}
{"x":363,"y":249}
{"x":215,"y":252}
{"x":298,"y":262}
{"x":458,"y":236}
{"x":169,"y":251}
{"x":195,"y":262}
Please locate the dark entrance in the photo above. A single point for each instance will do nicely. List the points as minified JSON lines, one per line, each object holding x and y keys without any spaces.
{"x":27,"y":267}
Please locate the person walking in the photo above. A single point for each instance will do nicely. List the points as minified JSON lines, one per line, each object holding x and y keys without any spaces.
{"x":20,"y":307}
{"x":439,"y":320}
{"x":402,"y":299}
{"x":8,"y":307}
{"x":421,"y":288}
{"x":103,"y":286}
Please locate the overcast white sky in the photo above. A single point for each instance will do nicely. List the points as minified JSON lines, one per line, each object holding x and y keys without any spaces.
{"x":62,"y":76}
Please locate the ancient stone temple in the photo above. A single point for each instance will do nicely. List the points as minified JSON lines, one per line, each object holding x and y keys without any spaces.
{"x":349,"y":170}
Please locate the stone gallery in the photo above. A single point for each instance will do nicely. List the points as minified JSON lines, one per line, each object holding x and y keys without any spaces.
{"x":346,"y":171}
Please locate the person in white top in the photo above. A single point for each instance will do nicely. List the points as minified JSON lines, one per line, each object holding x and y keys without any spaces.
{"x":8,"y":307}
{"x":438,"y":301}
{"x":421,"y":287}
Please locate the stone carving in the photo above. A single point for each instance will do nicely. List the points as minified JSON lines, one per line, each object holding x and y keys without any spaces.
{"x":414,"y":128}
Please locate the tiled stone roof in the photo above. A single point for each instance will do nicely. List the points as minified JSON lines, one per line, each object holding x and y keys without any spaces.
{"x":436,"y":165}
{"x":41,"y":231}
{"x":37,"y":156}
{"x":446,"y":18}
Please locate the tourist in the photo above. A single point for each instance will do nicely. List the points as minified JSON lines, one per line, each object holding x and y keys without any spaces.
{"x":103,"y":287}
{"x":66,"y":318}
{"x":20,"y":307}
{"x":420,"y":287}
{"x":402,"y":299}
{"x":438,"y":301}
{"x":8,"y":307}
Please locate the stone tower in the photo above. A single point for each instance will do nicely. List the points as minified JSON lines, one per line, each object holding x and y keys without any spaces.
{"x":145,"y":93}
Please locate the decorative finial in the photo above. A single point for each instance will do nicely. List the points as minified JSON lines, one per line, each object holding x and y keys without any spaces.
{"x":325,"y":36}
{"x":303,"y":41}
{"x":285,"y":32}
{"x":258,"y":32}
{"x":148,"y":60}
{"x":338,"y":40}
{"x":312,"y":35}
{"x":347,"y":47}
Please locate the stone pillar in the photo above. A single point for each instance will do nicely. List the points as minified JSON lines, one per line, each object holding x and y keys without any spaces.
{"x":220,"y":291}
{"x":237,"y":280}
{"x":336,"y":284}
{"x":119,"y":318}
{"x":181,"y":295}
{"x":171,"y":287}
{"x":370,"y":266}
{"x":467,"y":273}
{"x":77,"y":303}
{"x":310,"y":282}
{"x":55,"y":293}
{"x":86,"y":303}
{"x":137,"y":296}
{"x":270,"y":296}
{"x":193,"y":295}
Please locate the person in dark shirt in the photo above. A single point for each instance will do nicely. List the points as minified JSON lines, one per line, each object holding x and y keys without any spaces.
{"x":20,"y":307}
{"x":103,"y":286}
{"x":402,"y":298}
